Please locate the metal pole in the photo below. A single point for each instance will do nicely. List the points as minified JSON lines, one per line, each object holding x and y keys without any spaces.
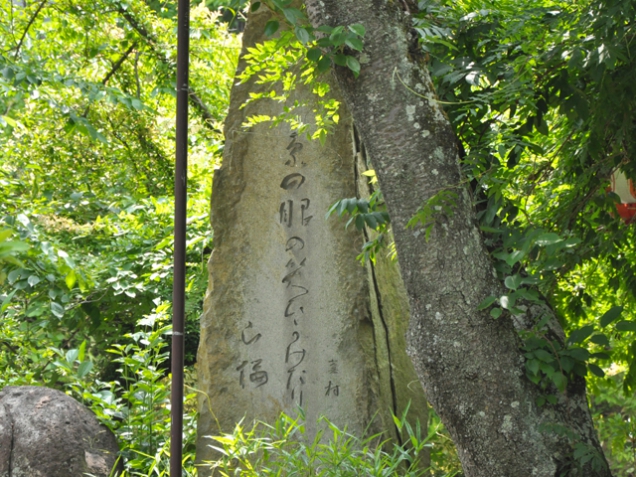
{"x":180,"y":208}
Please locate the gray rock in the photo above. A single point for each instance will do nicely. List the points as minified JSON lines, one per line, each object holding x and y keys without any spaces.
{"x":45,"y":433}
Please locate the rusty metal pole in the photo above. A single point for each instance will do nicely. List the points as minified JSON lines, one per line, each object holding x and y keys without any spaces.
{"x":180,"y":212}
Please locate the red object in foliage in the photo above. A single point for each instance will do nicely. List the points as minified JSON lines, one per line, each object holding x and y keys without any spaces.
{"x":624,"y":188}
{"x":627,"y":212}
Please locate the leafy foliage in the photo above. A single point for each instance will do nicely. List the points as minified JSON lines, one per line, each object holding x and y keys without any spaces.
{"x":440,"y":204}
{"x":86,"y":140}
{"x":366,"y":213}
{"x":283,"y":449}
{"x":86,"y":175}
{"x":300,"y":53}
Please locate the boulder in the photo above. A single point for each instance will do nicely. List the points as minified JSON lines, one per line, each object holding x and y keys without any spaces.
{"x":45,"y":433}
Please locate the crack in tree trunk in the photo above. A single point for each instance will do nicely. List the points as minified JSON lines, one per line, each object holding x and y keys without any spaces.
{"x":374,"y":280}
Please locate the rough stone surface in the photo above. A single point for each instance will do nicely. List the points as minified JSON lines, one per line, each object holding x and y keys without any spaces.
{"x":291,"y":318}
{"x":45,"y":433}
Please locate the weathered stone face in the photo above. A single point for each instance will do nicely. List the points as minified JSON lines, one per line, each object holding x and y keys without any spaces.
{"x":288,"y":319}
{"x":45,"y":433}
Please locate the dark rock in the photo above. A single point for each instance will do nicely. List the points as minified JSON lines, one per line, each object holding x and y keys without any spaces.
{"x":45,"y":433}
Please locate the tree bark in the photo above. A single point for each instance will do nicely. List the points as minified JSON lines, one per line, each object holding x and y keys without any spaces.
{"x":471,"y":366}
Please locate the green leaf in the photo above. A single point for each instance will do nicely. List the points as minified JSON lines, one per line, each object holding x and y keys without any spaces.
{"x":340,"y":59}
{"x":581,"y":334}
{"x":358,"y":29}
{"x":486,"y":302}
{"x":351,"y":204}
{"x":14,"y":275}
{"x":496,"y":312}
{"x":11,"y":247}
{"x":70,"y":279}
{"x":371,"y":221}
{"x":336,"y":31}
{"x":600,"y":339}
{"x":6,"y":301}
{"x":337,"y":39}
{"x":559,"y":381}
{"x":324,"y":64}
{"x":626,"y":326}
{"x":302,"y":34}
{"x":510,"y":258}
{"x":293,"y":15}
{"x":33,"y":280}
{"x":513,"y":282}
{"x":596,"y":370}
{"x":611,"y":315}
{"x":508,"y":301}
{"x":544,"y":356}
{"x":255,"y":6}
{"x":533,"y":366}
{"x":93,"y":133}
{"x":82,"y":351}
{"x":354,"y":44}
{"x":10,"y":121}
{"x":325,"y":29}
{"x":314,"y":54}
{"x":580,"y":354}
{"x":71,"y":355}
{"x":514,"y":257}
{"x":271,"y":27}
{"x":57,"y":309}
{"x":548,"y":239}
{"x":566,"y":363}
{"x":84,"y":368}
{"x":353,"y":65}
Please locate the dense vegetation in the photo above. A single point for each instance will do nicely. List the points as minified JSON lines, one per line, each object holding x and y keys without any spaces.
{"x":541,"y":96}
{"x":86,"y":247}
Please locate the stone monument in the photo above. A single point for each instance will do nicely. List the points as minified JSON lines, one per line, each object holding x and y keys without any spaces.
{"x":291,"y":319}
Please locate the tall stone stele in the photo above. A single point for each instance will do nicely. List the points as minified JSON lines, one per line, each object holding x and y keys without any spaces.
{"x":291,"y":319}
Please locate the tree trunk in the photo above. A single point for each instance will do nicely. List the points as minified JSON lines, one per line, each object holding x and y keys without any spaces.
{"x":471,"y":366}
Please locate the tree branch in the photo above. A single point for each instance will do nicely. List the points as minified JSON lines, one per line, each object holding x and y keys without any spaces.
{"x":195,"y":99}
{"x":26,"y":30}
{"x":113,"y":70}
{"x":206,"y":115}
{"x":118,"y":63}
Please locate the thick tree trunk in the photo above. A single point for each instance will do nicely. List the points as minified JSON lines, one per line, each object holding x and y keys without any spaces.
{"x":471,"y":365}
